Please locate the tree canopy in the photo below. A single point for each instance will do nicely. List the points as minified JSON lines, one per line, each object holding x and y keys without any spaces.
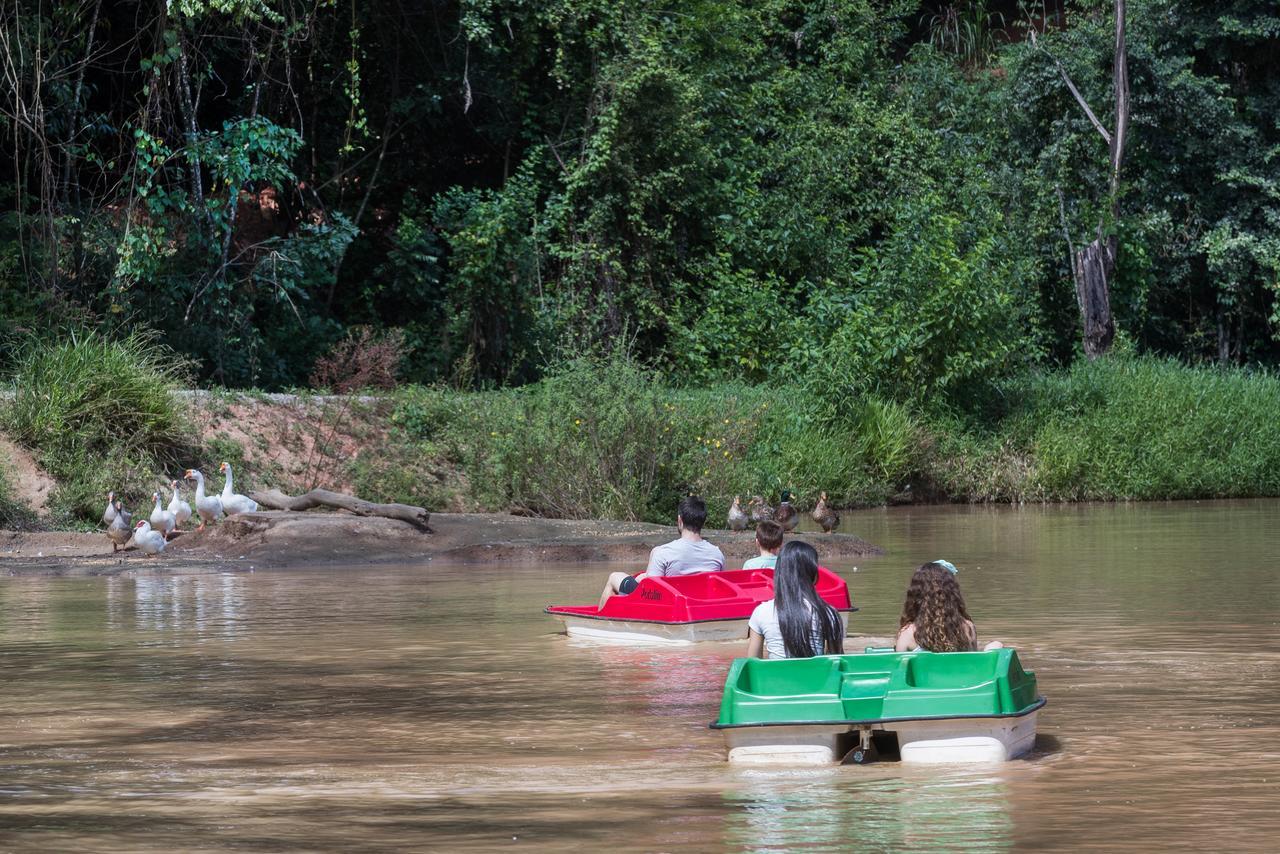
{"x":864,"y":195}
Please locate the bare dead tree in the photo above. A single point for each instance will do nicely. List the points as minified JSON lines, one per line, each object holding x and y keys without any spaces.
{"x":1093,"y":265}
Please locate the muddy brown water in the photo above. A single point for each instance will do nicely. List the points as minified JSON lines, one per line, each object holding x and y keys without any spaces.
{"x":435,"y":707}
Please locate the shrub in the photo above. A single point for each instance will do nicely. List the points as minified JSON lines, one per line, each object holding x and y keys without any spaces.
{"x":361,"y":360}
{"x":592,"y":440}
{"x":938,"y":308}
{"x":101,"y":415}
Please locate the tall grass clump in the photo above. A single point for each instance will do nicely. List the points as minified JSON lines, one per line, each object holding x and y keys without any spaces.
{"x":589,"y":441}
{"x":100,"y":414}
{"x":606,"y":438}
{"x":1122,"y":428}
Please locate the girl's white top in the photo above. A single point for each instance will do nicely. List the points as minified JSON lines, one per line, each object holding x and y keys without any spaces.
{"x":764,"y":622}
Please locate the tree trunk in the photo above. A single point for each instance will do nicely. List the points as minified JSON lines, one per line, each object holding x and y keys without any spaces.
{"x":1094,"y":266}
{"x":1096,"y":263}
{"x":187,"y":105}
{"x":73,"y":127}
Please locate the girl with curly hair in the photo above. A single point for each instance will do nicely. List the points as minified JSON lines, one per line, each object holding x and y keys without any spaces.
{"x":934,"y":617}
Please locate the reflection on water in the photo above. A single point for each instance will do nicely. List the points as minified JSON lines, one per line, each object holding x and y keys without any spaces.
{"x":206,"y":605}
{"x":819,"y":809}
{"x":436,"y":706}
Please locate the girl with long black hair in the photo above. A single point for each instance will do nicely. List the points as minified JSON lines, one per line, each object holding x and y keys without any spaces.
{"x":796,"y":622}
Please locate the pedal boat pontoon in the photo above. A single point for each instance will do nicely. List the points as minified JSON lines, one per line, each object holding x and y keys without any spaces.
{"x":926,"y":707}
{"x":708,"y":606}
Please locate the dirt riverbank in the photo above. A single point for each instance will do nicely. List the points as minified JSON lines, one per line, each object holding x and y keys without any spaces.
{"x":282,"y":539}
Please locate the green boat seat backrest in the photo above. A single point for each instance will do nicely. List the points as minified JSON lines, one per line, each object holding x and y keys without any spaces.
{"x":961,"y":682}
{"x":865,"y":682}
{"x":761,"y":690}
{"x":877,"y":685}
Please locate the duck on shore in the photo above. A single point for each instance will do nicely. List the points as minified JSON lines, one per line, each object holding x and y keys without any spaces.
{"x":233,"y":502}
{"x":163,"y":521}
{"x":760,"y":510}
{"x":737,"y":518}
{"x":120,"y":531}
{"x":149,"y":542}
{"x":786,"y":515}
{"x":826,"y":518}
{"x":180,"y":509}
{"x":208,"y":507}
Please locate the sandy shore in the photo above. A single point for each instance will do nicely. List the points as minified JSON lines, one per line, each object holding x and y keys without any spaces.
{"x":283,"y":539}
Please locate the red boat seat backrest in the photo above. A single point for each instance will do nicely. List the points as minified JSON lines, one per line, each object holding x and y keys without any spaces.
{"x":707,"y":586}
{"x":731,"y":594}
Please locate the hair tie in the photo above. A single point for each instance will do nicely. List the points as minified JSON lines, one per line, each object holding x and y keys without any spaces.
{"x":948,"y":566}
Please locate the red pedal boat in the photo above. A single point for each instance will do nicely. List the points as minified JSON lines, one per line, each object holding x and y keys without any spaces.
{"x":708,"y":606}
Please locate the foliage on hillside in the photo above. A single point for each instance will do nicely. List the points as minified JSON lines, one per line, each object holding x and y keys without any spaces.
{"x":632,"y":249}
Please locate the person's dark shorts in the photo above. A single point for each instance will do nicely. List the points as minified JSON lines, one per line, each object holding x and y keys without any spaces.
{"x":628,"y":585}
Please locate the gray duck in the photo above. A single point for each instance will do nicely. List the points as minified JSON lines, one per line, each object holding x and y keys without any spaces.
{"x":760,"y":510}
{"x":786,"y":515}
{"x":826,"y":518}
{"x":121,"y":529}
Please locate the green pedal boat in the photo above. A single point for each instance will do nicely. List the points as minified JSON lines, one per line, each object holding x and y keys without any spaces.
{"x":912,"y":706}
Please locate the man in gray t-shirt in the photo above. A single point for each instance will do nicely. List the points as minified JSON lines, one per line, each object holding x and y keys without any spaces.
{"x":687,"y":555}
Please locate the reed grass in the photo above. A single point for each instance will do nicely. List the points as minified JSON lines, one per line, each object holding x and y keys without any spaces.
{"x":1140,"y":428}
{"x":599,"y":441}
{"x":100,"y":414}
{"x":608,"y":439}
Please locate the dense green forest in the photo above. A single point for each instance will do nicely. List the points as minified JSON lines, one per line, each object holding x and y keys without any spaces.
{"x":872,"y":194}
{"x":620,"y":251}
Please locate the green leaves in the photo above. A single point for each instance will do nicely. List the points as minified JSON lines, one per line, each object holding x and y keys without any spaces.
{"x":940,"y":306}
{"x":238,"y":10}
{"x":100,"y":413}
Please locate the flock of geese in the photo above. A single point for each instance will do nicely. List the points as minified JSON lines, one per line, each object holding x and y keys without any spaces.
{"x":151,"y":535}
{"x":784,"y":514}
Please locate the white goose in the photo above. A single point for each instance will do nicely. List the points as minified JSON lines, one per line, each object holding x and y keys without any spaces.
{"x":208,"y":506}
{"x":149,"y":542}
{"x":180,"y":509}
{"x":161,"y":519}
{"x":109,"y":515}
{"x":232,"y":502}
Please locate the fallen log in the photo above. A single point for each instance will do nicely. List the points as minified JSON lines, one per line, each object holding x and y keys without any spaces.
{"x":274,"y":499}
